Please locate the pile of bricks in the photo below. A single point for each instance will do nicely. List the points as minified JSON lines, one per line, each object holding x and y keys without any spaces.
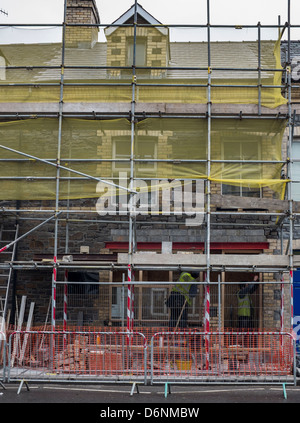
{"x":73,"y":358}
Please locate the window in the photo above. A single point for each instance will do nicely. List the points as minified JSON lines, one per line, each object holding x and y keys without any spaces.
{"x":140,"y":53}
{"x":296,"y":170}
{"x":119,"y":302}
{"x":158,"y":307}
{"x":241,"y":151}
{"x":121,"y":151}
{"x":145,"y":148}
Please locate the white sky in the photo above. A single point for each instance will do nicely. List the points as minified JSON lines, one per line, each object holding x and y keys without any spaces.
{"x":167,"y":11}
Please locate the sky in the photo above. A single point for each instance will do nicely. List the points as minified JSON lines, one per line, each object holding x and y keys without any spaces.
{"x":230,"y":12}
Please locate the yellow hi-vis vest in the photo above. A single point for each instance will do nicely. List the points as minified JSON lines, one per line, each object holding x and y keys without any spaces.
{"x":185,"y":288}
{"x":244,"y":306}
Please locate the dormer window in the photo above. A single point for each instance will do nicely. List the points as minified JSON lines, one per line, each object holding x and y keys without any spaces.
{"x":152,"y":46}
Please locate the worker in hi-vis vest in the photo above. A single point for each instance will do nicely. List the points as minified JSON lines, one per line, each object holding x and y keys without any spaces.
{"x":245,"y":306}
{"x":180,"y":297}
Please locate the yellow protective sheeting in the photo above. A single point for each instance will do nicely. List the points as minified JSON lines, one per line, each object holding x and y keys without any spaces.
{"x":98,"y":94}
{"x":251,"y":142}
{"x":32,"y":179}
{"x":72,"y":94}
{"x":162,"y":149}
{"x":32,"y":94}
{"x":232,"y":87}
{"x":177,"y":84}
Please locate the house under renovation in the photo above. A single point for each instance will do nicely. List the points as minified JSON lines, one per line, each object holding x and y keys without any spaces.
{"x":147,"y":192}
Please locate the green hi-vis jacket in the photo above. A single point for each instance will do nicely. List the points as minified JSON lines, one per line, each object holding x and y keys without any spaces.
{"x":184,"y":289}
{"x":244,"y":306}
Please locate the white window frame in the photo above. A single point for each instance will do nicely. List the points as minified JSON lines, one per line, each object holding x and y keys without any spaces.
{"x":295,"y":173}
{"x":192,"y":308}
{"x":164,"y":293}
{"x":141,"y":47}
{"x":117,"y":166}
{"x":116,"y":308}
{"x":223,"y":155}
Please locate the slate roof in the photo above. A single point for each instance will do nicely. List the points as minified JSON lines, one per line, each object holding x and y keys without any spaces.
{"x":237,"y":55}
{"x":183,"y":54}
{"x":294,"y":49}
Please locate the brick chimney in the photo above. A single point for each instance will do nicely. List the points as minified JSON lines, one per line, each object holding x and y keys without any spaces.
{"x":82,"y":12}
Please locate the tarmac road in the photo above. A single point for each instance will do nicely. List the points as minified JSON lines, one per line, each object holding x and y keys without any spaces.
{"x":145,"y":401}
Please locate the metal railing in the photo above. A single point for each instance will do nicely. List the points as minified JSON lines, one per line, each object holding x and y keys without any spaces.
{"x":76,"y":356}
{"x":223,"y":357}
{"x":2,"y":355}
{"x":181,"y":357}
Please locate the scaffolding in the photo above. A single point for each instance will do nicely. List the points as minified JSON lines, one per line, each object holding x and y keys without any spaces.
{"x":53,"y":172}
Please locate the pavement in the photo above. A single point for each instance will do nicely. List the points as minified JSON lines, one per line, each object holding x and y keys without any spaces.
{"x":130,"y":402}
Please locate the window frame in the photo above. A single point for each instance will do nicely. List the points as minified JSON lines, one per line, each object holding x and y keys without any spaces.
{"x":295,"y":185}
{"x":163,"y":292}
{"x":241,"y":192}
{"x":117,"y":166}
{"x":140,"y":42}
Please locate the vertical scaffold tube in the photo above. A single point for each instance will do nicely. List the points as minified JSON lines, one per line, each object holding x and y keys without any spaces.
{"x":207,"y":287}
{"x":207,"y":324}
{"x":130,"y":305}
{"x":54,"y":278}
{"x":60,"y":118}
{"x":130,"y":315}
{"x":65,"y":307}
{"x":289,"y":164}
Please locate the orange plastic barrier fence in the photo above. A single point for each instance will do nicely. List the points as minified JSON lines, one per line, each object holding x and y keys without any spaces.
{"x":79,"y":355}
{"x":247,"y":356}
{"x":180,"y":356}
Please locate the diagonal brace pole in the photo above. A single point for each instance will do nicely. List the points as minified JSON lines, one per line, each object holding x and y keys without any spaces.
{"x":66,"y":168}
{"x":27,"y":233}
